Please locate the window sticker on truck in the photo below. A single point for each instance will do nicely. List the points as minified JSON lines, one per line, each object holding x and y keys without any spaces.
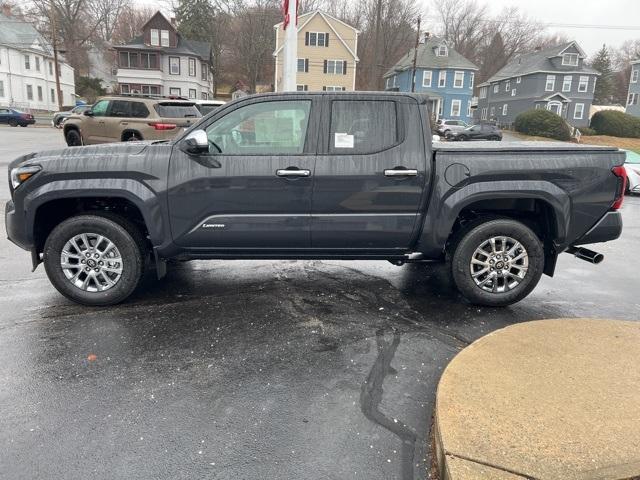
{"x":343,"y":140}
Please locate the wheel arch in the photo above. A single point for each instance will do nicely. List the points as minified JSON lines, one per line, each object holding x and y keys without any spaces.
{"x":127,"y":133}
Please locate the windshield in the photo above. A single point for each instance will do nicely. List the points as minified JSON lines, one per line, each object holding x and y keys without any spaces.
{"x":177,"y":110}
{"x":632,"y":157}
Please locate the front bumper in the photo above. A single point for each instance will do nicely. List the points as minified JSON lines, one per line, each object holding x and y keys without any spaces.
{"x":15,"y":227}
{"x":608,"y":228}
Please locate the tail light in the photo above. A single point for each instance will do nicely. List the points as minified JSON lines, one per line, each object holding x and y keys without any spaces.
{"x":621,"y":173}
{"x":162,"y":126}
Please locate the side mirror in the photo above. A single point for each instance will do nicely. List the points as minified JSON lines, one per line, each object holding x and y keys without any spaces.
{"x":196,"y":143}
{"x":88,"y":113}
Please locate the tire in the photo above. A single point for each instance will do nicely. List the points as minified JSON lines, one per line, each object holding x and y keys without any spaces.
{"x":23,"y":125}
{"x":462,"y":138}
{"x":13,"y":122}
{"x":132,"y":137}
{"x":73,"y":138}
{"x":465,"y":250}
{"x":129,"y":247}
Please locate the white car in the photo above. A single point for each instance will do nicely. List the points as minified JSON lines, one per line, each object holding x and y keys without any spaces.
{"x":632,"y":166}
{"x":207,"y":106}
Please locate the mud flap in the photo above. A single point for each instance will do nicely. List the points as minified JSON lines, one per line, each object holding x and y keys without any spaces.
{"x":35,"y":259}
{"x":161,"y":265}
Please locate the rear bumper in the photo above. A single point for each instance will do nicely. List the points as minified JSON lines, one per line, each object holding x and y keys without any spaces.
{"x":608,"y":228}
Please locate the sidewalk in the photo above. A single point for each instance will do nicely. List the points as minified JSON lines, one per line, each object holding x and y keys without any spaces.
{"x":551,"y":399}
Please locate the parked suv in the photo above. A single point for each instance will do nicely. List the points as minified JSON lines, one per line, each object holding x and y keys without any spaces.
{"x":124,"y":118}
{"x":447,"y":127}
{"x":482,"y":131}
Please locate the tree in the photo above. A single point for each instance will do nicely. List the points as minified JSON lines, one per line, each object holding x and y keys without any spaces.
{"x":603,"y":94}
{"x":90,"y":88}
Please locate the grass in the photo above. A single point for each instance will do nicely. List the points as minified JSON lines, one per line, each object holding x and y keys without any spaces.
{"x":632,"y":144}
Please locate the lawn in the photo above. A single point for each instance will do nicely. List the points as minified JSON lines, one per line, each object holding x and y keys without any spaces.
{"x":632,"y":144}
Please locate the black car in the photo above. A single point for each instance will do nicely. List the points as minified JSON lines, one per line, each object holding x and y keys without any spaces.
{"x":483,"y":131}
{"x":59,"y":117}
{"x":15,"y":117}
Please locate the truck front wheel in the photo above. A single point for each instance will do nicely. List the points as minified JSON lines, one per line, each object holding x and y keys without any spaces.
{"x":95,"y":260}
{"x":497,"y":262}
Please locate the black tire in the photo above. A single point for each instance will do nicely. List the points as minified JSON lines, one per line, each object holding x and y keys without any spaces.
{"x":127,"y":239}
{"x":472,"y":238}
{"x":23,"y":125}
{"x":73,"y":138}
{"x":131,"y":137}
{"x":13,"y":122}
{"x":462,"y":138}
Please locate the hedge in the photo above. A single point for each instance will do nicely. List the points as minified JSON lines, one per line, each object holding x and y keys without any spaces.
{"x":616,"y":124}
{"x":587,"y":131}
{"x":542,"y":123}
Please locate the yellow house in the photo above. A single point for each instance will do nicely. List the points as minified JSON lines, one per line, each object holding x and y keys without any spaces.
{"x":327,"y":54}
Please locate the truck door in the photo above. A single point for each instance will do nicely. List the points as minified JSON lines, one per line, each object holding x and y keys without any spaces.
{"x":370,"y":177}
{"x":252,"y":190}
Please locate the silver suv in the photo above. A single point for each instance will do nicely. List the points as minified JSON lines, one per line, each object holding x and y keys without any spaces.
{"x":446,"y":128}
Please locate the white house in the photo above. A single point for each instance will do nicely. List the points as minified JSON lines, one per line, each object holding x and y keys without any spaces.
{"x":161,"y":62}
{"x":27,"y":72}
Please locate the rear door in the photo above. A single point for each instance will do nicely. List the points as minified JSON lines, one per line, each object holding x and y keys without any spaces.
{"x":370,"y":177}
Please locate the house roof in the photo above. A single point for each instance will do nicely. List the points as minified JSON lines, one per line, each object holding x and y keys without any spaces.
{"x":427,"y":58}
{"x":19,"y":34}
{"x":538,"y":61}
{"x":184,"y":47}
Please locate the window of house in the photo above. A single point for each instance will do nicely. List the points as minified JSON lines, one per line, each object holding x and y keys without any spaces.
{"x":150,"y":90}
{"x":455,"y":108}
{"x":483,"y":92}
{"x":129,"y":60}
{"x":1,"y":88}
{"x":472,"y":78}
{"x":148,"y":60}
{"x":333,"y":88}
{"x":37,"y":64}
{"x":155,"y":37}
{"x":204,"y":69}
{"x":634,"y":75}
{"x":442,"y":78}
{"x":483,"y":113}
{"x":174,"y":65}
{"x":316,"y":39}
{"x":566,"y":83}
{"x":518,"y":79}
{"x":513,"y":92}
{"x":40,"y":96}
{"x":507,"y":85}
{"x":27,"y":62}
{"x":50,"y":68}
{"x":175,"y":92}
{"x":496,"y":88}
{"x":584,"y":83}
{"x":193,"y":93}
{"x":551,"y":83}
{"x":125,"y":88}
{"x":570,"y":59}
{"x":29,"y":92}
{"x":370,"y":125}
{"x":493,"y":111}
{"x":303,"y":65}
{"x":442,"y":51}
{"x":164,"y":38}
{"x":469,"y":108}
{"x":505,"y":109}
{"x":302,"y":88}
{"x":458,"y":80}
{"x":53,"y":96}
{"x":441,"y":108}
{"x":192,"y":67}
{"x":204,"y":95}
{"x":265,"y":128}
{"x":630,"y":100}
{"x":426,"y":78}
{"x":578,"y":113}
{"x":337,"y":67}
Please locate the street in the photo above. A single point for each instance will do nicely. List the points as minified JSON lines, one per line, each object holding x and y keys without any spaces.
{"x":253,"y":369}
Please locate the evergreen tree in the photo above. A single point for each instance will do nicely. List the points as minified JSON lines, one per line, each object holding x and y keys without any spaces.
{"x":603,"y":94}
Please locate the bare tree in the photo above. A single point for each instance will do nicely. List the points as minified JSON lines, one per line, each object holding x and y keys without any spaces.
{"x":107,"y":13}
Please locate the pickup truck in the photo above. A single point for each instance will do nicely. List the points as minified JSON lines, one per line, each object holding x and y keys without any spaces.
{"x":314,"y":176}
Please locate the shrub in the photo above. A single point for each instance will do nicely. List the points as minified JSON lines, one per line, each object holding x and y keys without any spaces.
{"x":587,"y":131}
{"x":542,"y":123}
{"x":616,"y":124}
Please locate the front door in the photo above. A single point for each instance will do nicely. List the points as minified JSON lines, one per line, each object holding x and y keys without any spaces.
{"x":252,"y":191}
{"x":94,"y":129}
{"x":369,"y":181}
{"x":555,"y":107}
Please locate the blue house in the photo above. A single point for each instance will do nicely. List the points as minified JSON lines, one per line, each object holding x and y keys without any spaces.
{"x":442,"y":73}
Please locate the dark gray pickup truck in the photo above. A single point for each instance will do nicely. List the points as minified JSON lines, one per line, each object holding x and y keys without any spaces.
{"x":313,"y":176}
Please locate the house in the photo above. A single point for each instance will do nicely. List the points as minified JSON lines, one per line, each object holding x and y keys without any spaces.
{"x":162,"y":62}
{"x":555,"y":78}
{"x":442,"y":73}
{"x":327,"y":58}
{"x":27,"y":70}
{"x":633,"y":99}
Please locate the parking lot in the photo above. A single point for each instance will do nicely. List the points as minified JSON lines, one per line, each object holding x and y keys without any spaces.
{"x":253,"y":369}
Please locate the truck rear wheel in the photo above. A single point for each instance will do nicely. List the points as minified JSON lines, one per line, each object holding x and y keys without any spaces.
{"x":95,"y":260}
{"x":497,"y":262}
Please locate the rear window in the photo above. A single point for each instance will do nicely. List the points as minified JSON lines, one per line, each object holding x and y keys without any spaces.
{"x":177,"y":110}
{"x":632,"y":157}
{"x":362,"y":126}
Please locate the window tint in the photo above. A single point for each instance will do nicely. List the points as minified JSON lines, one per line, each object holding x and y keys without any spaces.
{"x":362,"y":126}
{"x":139,"y":110}
{"x":267,"y":128}
{"x":100,"y":108}
{"x":177,"y":110}
{"x":119,"y":108}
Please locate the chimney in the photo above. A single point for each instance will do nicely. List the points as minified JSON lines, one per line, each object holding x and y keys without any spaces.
{"x":6,"y":9}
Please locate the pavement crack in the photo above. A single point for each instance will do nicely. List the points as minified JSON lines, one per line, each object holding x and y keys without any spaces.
{"x":491,"y":465}
{"x":371,"y":396}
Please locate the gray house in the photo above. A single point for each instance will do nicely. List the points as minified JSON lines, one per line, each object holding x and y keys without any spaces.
{"x":633,"y":99}
{"x":555,"y":78}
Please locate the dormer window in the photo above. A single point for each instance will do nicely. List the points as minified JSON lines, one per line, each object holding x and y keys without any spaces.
{"x":164,"y":38}
{"x":570,"y":59}
{"x":442,"y":51}
{"x":155,"y":37}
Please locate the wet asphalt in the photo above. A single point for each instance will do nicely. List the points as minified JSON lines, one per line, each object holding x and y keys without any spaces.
{"x":253,"y":369}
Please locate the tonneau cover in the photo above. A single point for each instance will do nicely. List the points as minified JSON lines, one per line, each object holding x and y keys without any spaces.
{"x":516,"y":146}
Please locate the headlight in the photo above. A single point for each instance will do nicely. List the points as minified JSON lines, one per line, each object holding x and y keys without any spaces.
{"x":21,"y":174}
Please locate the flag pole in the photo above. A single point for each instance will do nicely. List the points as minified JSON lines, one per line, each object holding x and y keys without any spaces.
{"x":290,"y":53}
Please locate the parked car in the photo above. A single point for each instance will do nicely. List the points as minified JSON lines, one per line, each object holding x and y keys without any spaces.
{"x":483,"y":131}
{"x":239,"y":183}
{"x":60,"y":117}
{"x":15,"y":117}
{"x":208,"y":106}
{"x":127,"y":118}
{"x":632,"y":166}
{"x":446,"y":127}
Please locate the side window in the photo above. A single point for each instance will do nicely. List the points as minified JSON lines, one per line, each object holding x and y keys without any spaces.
{"x":266,"y":128}
{"x":119,"y":108}
{"x":362,"y":126}
{"x":100,"y":108}
{"x":139,"y":110}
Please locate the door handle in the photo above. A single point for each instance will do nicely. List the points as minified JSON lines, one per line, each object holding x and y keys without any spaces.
{"x":291,"y":172}
{"x":400,"y":172}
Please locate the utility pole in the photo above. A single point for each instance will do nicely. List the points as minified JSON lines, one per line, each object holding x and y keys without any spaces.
{"x":54,"y":44}
{"x":375,"y":68}
{"x":290,"y":51}
{"x":415,"y":58}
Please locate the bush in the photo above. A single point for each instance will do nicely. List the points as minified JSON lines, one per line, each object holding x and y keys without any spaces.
{"x":587,"y":131}
{"x":616,"y":124}
{"x":542,"y":123}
